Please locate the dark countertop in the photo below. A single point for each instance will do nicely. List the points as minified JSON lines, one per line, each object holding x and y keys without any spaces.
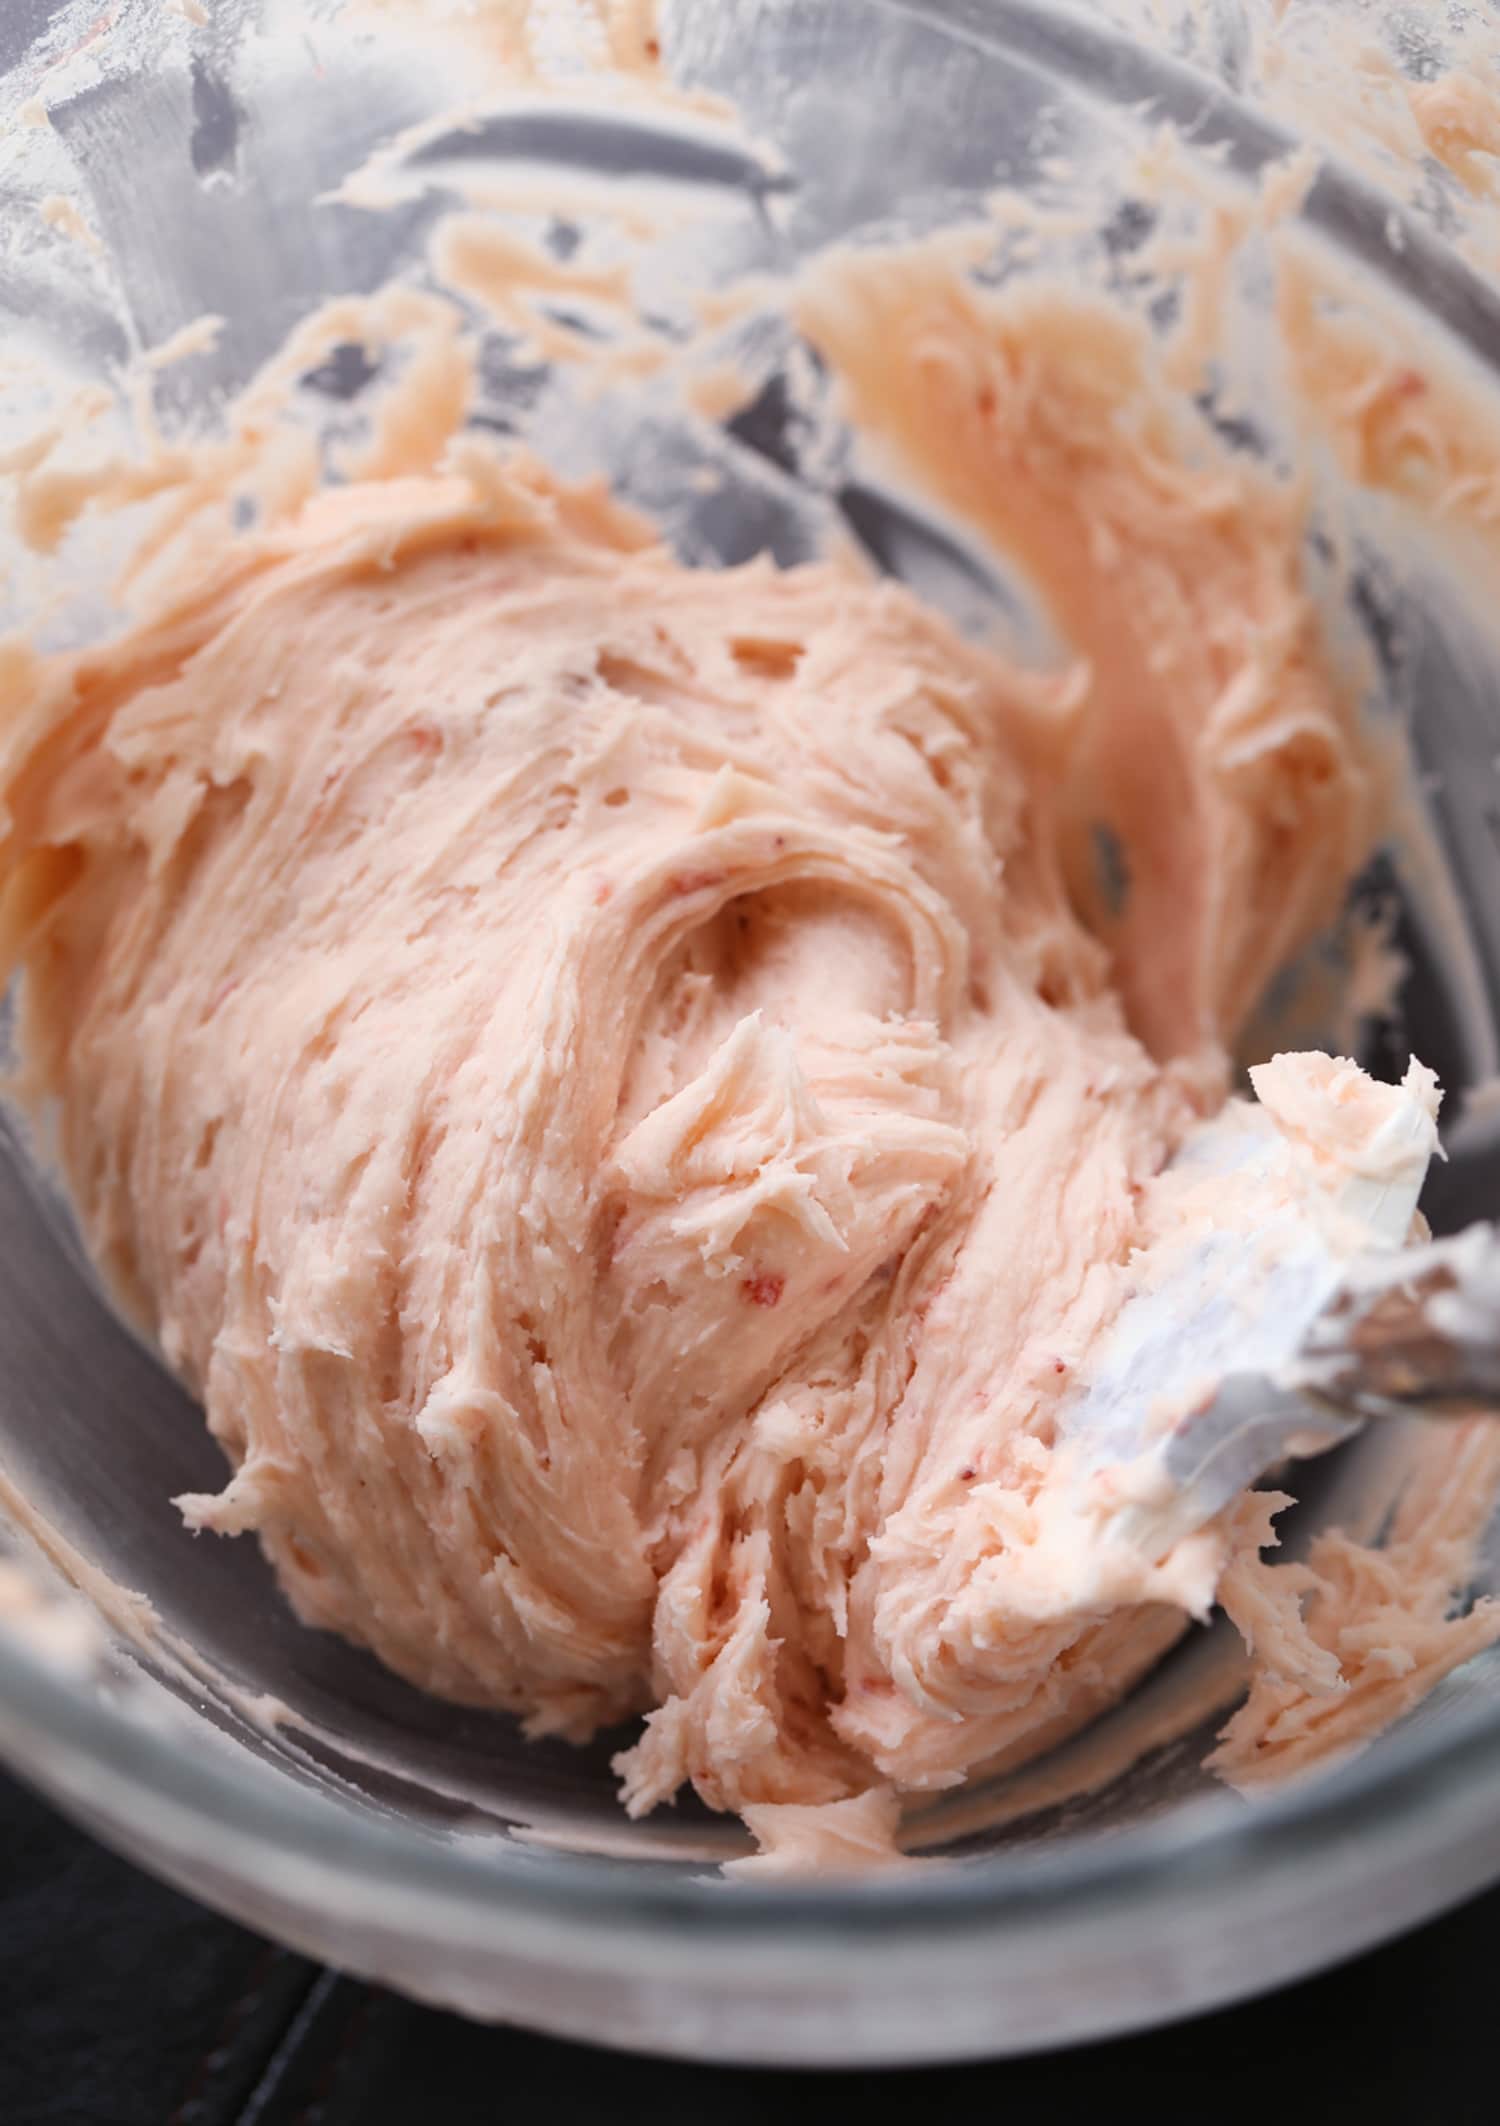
{"x":124,"y":2004}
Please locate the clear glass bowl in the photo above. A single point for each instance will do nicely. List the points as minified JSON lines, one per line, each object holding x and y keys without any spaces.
{"x":282,"y":1775}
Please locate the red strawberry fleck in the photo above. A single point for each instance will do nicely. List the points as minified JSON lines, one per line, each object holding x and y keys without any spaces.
{"x":764,"y":1289}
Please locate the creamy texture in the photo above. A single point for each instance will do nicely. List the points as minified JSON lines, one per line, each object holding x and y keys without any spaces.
{"x":1358,"y":1634}
{"x":1210,"y":737}
{"x":596,"y":1074}
{"x":638,"y":1099}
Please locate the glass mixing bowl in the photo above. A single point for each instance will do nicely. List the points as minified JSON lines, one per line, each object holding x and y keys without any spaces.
{"x":282,"y":1775}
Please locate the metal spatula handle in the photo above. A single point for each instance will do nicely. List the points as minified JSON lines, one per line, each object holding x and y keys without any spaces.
{"x":1417,"y":1332}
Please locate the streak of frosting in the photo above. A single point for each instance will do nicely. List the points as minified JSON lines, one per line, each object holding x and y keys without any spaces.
{"x":1406,"y":98}
{"x":1172,"y":572}
{"x":528,"y":38}
{"x":1359,"y":1634}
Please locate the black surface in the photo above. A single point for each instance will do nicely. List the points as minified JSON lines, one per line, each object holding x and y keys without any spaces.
{"x":123,"y":2004}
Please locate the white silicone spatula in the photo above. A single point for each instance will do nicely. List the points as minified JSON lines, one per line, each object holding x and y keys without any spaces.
{"x":1278,"y":1330}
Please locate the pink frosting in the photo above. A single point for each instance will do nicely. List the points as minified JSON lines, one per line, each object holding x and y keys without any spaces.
{"x":630,"y":1094}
